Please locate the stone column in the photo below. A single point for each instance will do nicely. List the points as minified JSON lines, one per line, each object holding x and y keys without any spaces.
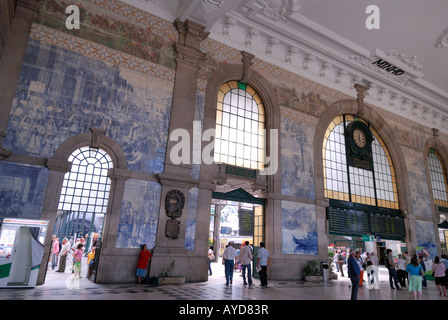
{"x":11,"y":62}
{"x":178,"y":176}
{"x":112,"y":264}
{"x":58,"y":168}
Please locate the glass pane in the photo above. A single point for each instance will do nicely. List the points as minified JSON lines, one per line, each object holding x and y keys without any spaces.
{"x":240,"y":126}
{"x":81,"y":196}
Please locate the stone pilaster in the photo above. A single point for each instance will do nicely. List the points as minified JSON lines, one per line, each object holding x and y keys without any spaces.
{"x":58,"y":168}
{"x":178,"y":176}
{"x":11,"y":62}
{"x":184,"y":96}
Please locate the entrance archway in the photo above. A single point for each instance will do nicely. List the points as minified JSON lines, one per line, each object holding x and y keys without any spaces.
{"x":236,"y":216}
{"x":59,"y":165}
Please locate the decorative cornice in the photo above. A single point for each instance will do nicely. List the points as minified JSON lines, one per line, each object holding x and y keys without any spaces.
{"x":442,"y":42}
{"x":278,"y":11}
{"x":410,"y":61}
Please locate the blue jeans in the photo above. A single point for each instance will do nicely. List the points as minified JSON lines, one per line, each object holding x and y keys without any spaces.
{"x":228,"y":264}
{"x":393,"y":278}
{"x":249,"y":273}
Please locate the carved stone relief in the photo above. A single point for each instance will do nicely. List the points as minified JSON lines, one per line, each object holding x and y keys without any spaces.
{"x":174,"y":203}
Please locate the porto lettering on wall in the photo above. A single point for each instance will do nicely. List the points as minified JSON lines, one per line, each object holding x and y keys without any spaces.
{"x":388,"y":67}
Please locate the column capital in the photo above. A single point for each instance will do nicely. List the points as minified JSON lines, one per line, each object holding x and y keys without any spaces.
{"x":191,"y":34}
{"x":59,"y":165}
{"x":29,"y":4}
{"x":119,"y":174}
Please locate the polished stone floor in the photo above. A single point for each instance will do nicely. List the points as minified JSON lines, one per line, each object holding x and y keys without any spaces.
{"x":62,"y":286}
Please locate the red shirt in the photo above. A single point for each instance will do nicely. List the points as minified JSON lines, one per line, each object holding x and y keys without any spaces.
{"x":143,"y":259}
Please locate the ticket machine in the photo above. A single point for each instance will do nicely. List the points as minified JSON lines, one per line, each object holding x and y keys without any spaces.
{"x":21,"y":251}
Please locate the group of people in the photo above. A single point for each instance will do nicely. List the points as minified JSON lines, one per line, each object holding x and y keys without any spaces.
{"x":61,"y":250}
{"x":244,"y":257}
{"x":364,"y":260}
{"x":406,"y":268}
{"x":413,"y":270}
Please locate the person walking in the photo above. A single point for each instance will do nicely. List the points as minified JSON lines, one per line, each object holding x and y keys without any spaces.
{"x":262,"y":264}
{"x":422,"y":263}
{"x":444,"y":260}
{"x":246,"y":261}
{"x":439,"y":275}
{"x":360,"y":262}
{"x":65,"y":250}
{"x":416,"y":273}
{"x":401,"y":271}
{"x":390,"y":265}
{"x":54,"y":252}
{"x":211,"y":257}
{"x":90,"y":261}
{"x":341,"y":262}
{"x":353,"y":273}
{"x":142,"y":263}
{"x":77,"y":256}
{"x":228,"y":260}
{"x":374,"y":259}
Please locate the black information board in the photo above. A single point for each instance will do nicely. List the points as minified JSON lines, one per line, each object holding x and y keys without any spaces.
{"x":348,"y":221}
{"x":387,"y":225}
{"x":358,"y":223}
{"x":246,"y":222}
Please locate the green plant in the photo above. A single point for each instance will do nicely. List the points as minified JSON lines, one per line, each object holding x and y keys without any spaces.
{"x":312,"y":268}
{"x":166,"y":272}
{"x":331,"y":254}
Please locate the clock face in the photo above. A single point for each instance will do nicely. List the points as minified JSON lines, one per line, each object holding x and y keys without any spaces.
{"x":359,"y":138}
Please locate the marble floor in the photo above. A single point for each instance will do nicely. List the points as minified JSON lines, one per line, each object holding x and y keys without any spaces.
{"x":62,"y":286}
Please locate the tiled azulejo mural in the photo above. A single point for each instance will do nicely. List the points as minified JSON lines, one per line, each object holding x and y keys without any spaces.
{"x":117,"y":74}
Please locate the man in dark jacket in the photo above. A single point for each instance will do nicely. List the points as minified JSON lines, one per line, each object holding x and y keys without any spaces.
{"x":353,"y":273}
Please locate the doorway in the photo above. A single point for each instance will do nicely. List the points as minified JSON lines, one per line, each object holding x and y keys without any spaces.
{"x":236,"y":217}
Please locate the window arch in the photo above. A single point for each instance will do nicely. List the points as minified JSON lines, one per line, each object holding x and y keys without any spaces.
{"x":240,"y":126}
{"x":437,"y":173}
{"x":376,"y":187}
{"x":85,"y":193}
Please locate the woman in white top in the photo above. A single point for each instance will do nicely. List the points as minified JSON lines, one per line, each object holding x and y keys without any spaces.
{"x":211,"y":257}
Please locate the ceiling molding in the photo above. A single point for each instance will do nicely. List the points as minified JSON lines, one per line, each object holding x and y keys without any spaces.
{"x":276,"y":32}
{"x":442,"y":42}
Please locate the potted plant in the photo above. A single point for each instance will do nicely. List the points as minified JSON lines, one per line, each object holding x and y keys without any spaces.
{"x":312,"y":271}
{"x":166,"y":278}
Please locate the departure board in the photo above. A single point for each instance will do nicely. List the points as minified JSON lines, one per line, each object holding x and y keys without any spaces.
{"x":348,"y":221}
{"x":357,"y":222}
{"x":246,"y":222}
{"x":387,"y":226}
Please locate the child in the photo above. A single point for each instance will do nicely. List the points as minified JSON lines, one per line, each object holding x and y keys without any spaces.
{"x":77,"y":265}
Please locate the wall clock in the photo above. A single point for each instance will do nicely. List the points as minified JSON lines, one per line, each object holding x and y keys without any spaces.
{"x":358,"y":142}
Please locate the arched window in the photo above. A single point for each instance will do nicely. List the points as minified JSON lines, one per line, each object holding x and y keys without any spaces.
{"x":240,"y":124}
{"x":437,"y":172}
{"x":85,"y":193}
{"x":357,"y":180}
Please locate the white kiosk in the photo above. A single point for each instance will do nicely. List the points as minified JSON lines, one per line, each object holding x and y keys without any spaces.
{"x":21,"y":251}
